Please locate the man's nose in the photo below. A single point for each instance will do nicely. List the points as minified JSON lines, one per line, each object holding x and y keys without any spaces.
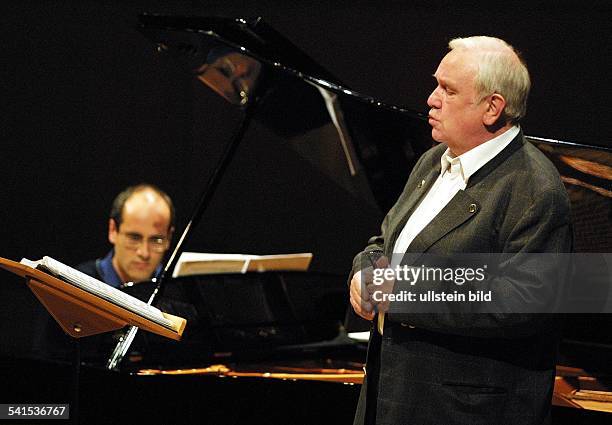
{"x":433,"y":101}
{"x":143,"y":250}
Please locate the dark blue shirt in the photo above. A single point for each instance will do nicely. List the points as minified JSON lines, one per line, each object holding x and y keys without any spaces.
{"x":102,"y":269}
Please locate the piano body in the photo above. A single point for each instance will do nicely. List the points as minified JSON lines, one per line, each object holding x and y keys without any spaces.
{"x":273,"y":347}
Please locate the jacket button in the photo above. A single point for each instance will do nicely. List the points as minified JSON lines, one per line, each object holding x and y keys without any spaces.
{"x":472,"y":208}
{"x":421,"y":184}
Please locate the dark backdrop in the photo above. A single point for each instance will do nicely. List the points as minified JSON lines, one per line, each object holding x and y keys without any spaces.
{"x":89,"y":108}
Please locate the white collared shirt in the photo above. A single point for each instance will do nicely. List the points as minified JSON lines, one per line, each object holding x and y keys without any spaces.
{"x":454,"y":175}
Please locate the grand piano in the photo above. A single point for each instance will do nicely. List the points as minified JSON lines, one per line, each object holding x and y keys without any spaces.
{"x":274,"y":347}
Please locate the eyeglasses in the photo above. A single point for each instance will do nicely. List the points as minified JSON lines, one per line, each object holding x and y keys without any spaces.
{"x":134,"y":240}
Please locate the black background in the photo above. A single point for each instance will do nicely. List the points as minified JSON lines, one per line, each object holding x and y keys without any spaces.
{"x":89,"y":108}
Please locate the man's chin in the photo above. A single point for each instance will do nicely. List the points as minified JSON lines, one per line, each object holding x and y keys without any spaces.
{"x":436,"y":136}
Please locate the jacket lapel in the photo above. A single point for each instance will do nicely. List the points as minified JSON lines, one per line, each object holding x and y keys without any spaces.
{"x":422,"y":185}
{"x":460,"y":209}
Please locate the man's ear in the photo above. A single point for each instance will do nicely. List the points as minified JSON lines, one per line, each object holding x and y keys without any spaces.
{"x":112,"y":231}
{"x":496,"y":105}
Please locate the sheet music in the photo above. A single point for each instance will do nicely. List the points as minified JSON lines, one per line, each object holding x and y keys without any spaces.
{"x":192,"y":263}
{"x":100,"y":289}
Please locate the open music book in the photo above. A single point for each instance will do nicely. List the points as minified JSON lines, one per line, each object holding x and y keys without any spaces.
{"x":102,"y":290}
{"x":192,"y":263}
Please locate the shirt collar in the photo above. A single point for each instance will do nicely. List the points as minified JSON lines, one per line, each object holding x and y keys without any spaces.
{"x":471,"y":161}
{"x":452,"y":164}
{"x":107,"y":271}
{"x":110,"y":276}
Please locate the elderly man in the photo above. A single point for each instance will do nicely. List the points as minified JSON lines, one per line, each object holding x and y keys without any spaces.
{"x":483,"y":189}
{"x":140,"y":228}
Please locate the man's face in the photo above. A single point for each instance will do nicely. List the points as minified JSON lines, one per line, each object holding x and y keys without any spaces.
{"x":456,"y":115}
{"x":145,"y":222}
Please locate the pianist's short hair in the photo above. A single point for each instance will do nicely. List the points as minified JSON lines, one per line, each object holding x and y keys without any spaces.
{"x":116,"y":211}
{"x":501,"y":69}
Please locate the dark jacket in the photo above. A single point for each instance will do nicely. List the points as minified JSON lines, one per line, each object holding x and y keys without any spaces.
{"x":474,"y":369}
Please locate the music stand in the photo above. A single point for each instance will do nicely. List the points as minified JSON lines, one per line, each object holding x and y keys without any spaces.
{"x":81,"y":314}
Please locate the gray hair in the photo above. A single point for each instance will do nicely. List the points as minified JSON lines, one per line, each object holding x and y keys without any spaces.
{"x":500,"y":70}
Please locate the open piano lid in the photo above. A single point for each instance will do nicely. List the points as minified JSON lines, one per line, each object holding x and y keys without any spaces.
{"x":299,"y":100}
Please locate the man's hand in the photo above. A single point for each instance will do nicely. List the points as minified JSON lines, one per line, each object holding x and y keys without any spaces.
{"x":380,"y":290}
{"x":360,"y":297}
{"x":362,"y":288}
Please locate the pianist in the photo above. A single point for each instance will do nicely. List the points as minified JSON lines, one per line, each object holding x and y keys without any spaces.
{"x":483,"y":189}
{"x":139,"y":228}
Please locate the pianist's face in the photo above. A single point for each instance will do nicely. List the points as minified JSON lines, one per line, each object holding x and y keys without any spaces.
{"x":142,"y":237}
{"x":456,"y":114}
